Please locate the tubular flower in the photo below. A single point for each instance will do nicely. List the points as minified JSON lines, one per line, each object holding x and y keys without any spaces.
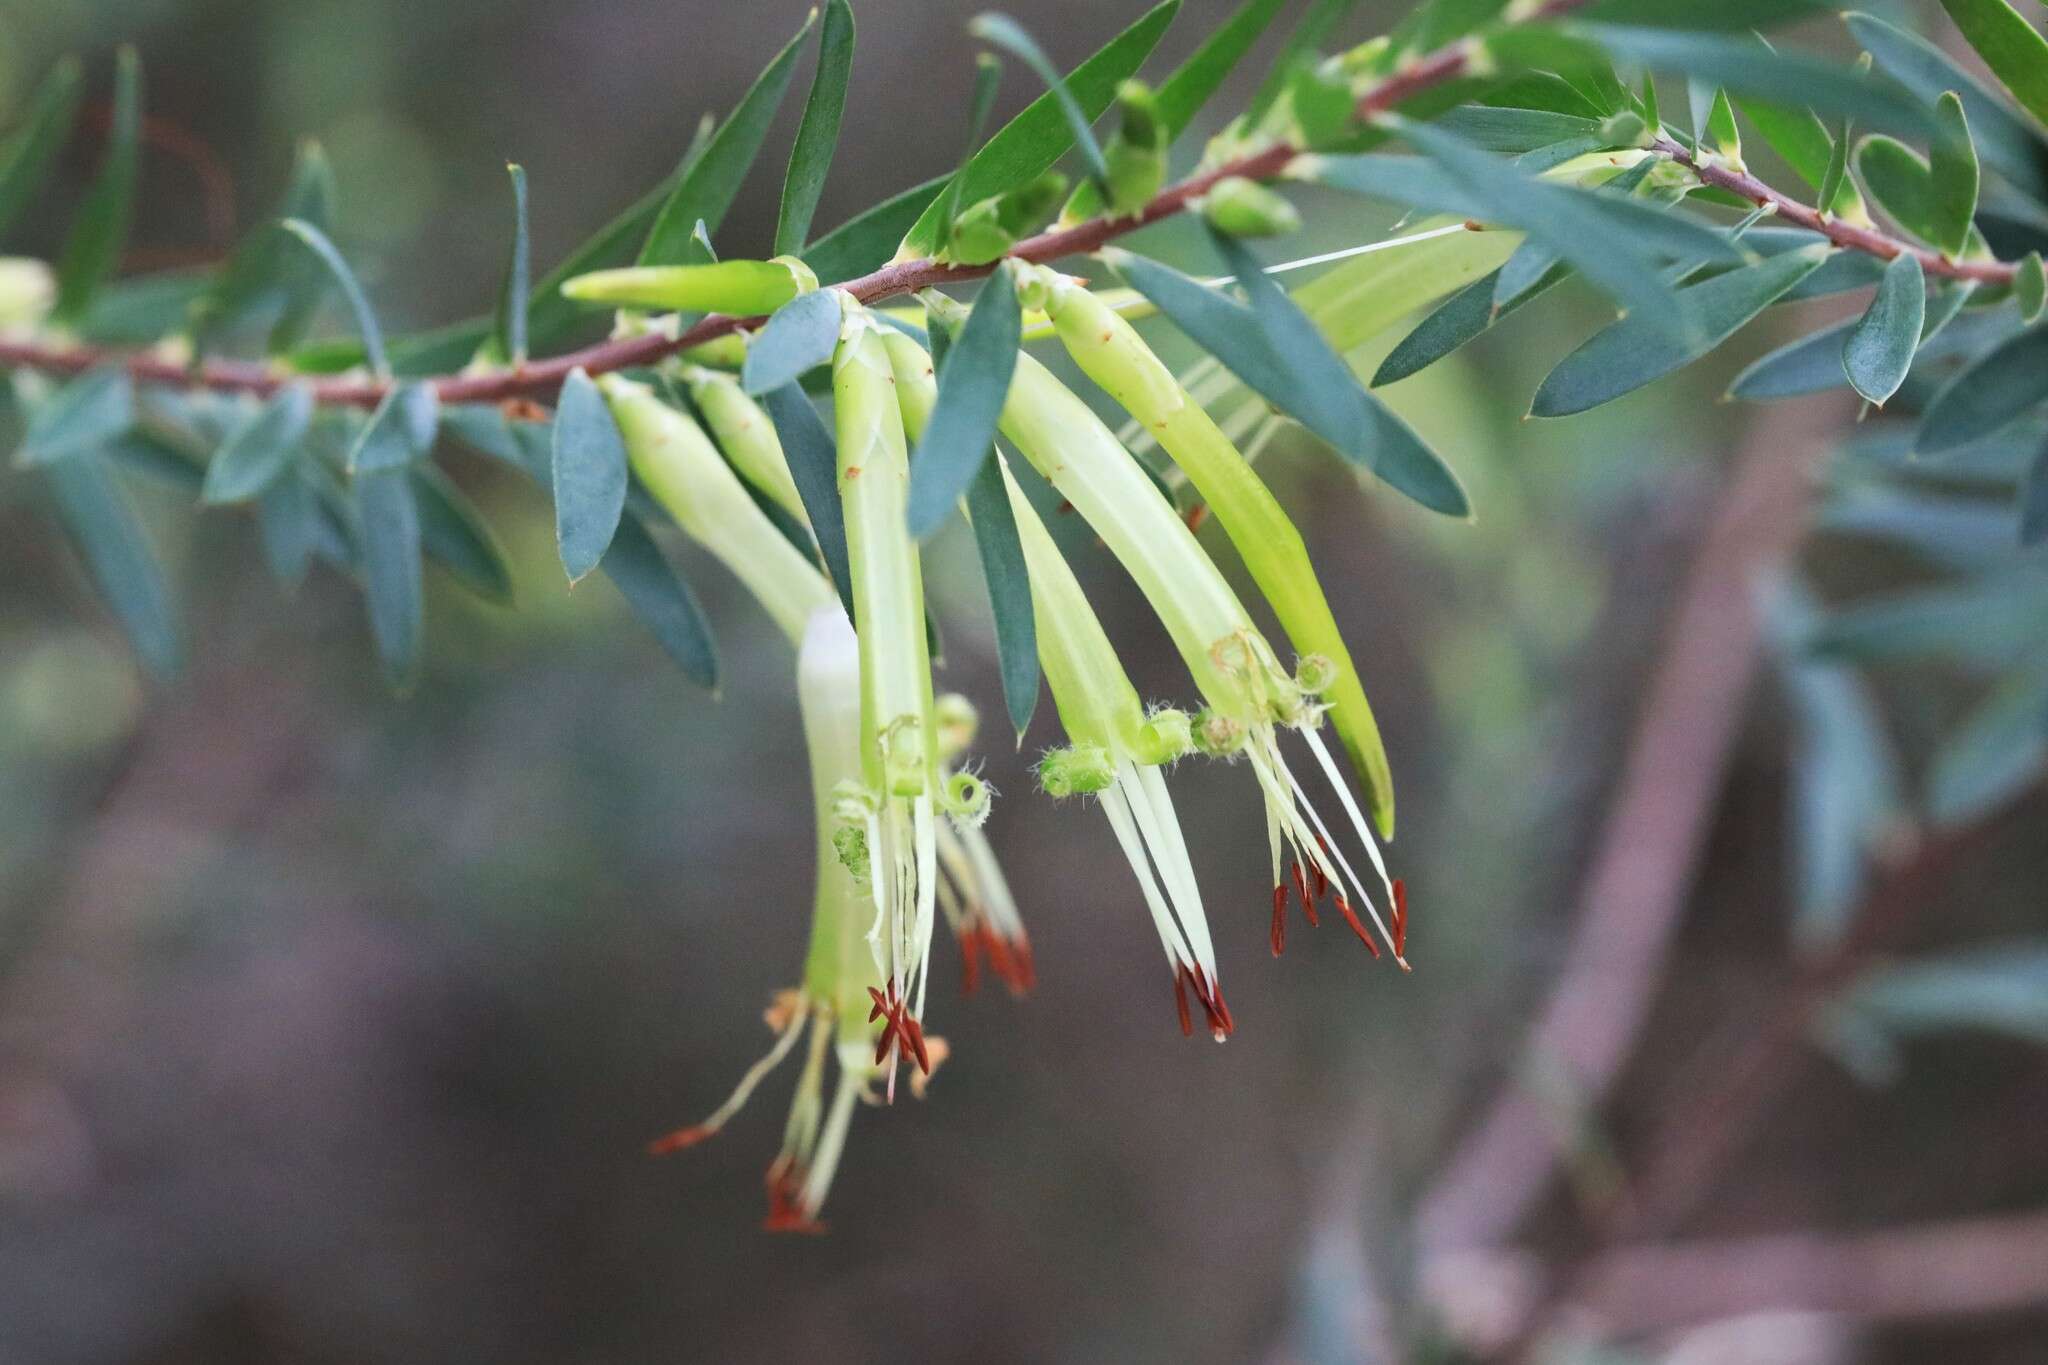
{"x":972,"y":891}
{"x":1250,"y":696}
{"x":1116,"y":749}
{"x":745,"y":434}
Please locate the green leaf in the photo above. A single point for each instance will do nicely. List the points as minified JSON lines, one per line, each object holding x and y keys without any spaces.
{"x":1898,"y":180}
{"x":1812,"y":364}
{"x":400,"y":431}
{"x":1307,"y":38}
{"x":1991,"y":622}
{"x":1815,"y":154}
{"x":455,"y":535}
{"x":389,"y":520}
{"x":1182,"y":95}
{"x":1998,"y":988}
{"x":817,"y":136}
{"x":813,"y":458}
{"x":28,"y":156}
{"x":662,"y":600}
{"x":1009,"y":592}
{"x":1953,"y":172}
{"x":257,"y":454}
{"x":1028,"y":145}
{"x":1993,"y":392}
{"x":510,"y":334}
{"x":1721,"y":130}
{"x":2013,"y":48}
{"x":317,"y":242}
{"x":1997,"y":751}
{"x":974,"y":379}
{"x":2030,"y":287}
{"x":1004,"y":32}
{"x":91,"y":410}
{"x":797,"y":339}
{"x":1879,"y":351}
{"x":143,"y":309}
{"x":865,"y":242}
{"x":706,"y":189}
{"x":92,"y":253}
{"x":944,"y":211}
{"x":268,"y":272}
{"x":1517,"y":131}
{"x":590,"y":475}
{"x":1692,"y":14}
{"x":1460,"y":318}
{"x":2012,"y":146}
{"x":1631,"y":353}
{"x":289,"y":520}
{"x":109,"y":537}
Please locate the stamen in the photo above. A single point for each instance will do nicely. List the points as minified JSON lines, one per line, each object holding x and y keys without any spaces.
{"x":1308,"y":902}
{"x":1180,"y":1002}
{"x":1322,"y":877}
{"x":758,"y":1072}
{"x":1400,"y":917}
{"x":1279,"y":919}
{"x":970,"y":959}
{"x":1351,"y":918}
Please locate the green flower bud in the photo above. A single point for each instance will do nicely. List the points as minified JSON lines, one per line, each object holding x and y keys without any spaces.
{"x":1625,"y":129}
{"x":736,"y":288}
{"x":1136,"y":156}
{"x":979,"y":235}
{"x":745,"y":434}
{"x":28,"y":290}
{"x":1075,"y":771}
{"x":1026,"y":210}
{"x":1368,"y":59}
{"x":1244,"y":208}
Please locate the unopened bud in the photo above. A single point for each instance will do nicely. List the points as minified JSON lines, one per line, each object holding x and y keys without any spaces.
{"x":979,"y":235}
{"x":736,"y":288}
{"x":1238,"y":207}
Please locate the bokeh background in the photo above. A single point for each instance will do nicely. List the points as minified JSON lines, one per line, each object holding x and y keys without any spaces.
{"x":333,"y":1023}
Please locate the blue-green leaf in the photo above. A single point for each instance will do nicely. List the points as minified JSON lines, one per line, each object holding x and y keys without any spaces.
{"x":1879,"y":351}
{"x":110,"y":539}
{"x":590,"y":475}
{"x":400,"y":431}
{"x":31,"y":152}
{"x":661,"y":599}
{"x":1997,"y":751}
{"x":1519,"y":131}
{"x":1993,"y":392}
{"x":1953,"y":167}
{"x":1006,"y":33}
{"x":1999,"y":988}
{"x":1457,"y":320}
{"x":974,"y":379}
{"x":2034,"y":501}
{"x":289,"y":520}
{"x":817,"y":136}
{"x":814,"y":467}
{"x":268,"y":272}
{"x":85,"y":414}
{"x":92,"y":253}
{"x":706,"y":189}
{"x":257,"y":454}
{"x":513,"y":294}
{"x":1631,"y":353}
{"x":372,"y":335}
{"x":455,"y":535}
{"x":389,"y":521}
{"x":798,"y":338}
{"x":1991,"y":622}
{"x":1009,"y":592}
{"x":1812,"y":364}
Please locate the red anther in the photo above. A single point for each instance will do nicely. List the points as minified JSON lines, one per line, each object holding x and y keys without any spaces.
{"x":1197,"y":514}
{"x":1279,"y":919}
{"x":1212,"y":1002}
{"x":1002,"y":961}
{"x":1180,"y":1002}
{"x":1064,"y":509}
{"x":1400,"y":917}
{"x":970,"y":959}
{"x":1351,"y":918}
{"x":884,"y":1043}
{"x":881,"y":1004}
{"x":914,"y":1031}
{"x":1322,"y":877}
{"x":1027,"y":966}
{"x":679,"y":1139}
{"x":785,"y":1207}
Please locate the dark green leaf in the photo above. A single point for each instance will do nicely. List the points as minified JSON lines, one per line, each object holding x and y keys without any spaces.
{"x":143,"y":310}
{"x":1005,"y":32}
{"x":1879,"y":351}
{"x":30,"y":153}
{"x":944,"y":211}
{"x":1988,"y":395}
{"x":289,"y":518}
{"x":400,"y":431}
{"x":110,"y":539}
{"x":1693,"y":14}
{"x":317,"y":242}
{"x":389,"y":520}
{"x":1631,"y":353}
{"x":662,"y":600}
{"x":1457,"y":320}
{"x":814,"y":467}
{"x":1516,"y":131}
{"x":866,"y":242}
{"x":798,"y":338}
{"x":817,"y":136}
{"x":974,"y":379}
{"x":1182,"y":94}
{"x":1898,"y":180}
{"x":268,"y":271}
{"x":513,"y":294}
{"x":1026,"y":146}
{"x":455,"y":535}
{"x":253,"y":458}
{"x":1953,"y":169}
{"x":712,"y":178}
{"x":2013,"y":48}
{"x":92,"y":253}
{"x":1009,"y":592}
{"x":1307,"y":38}
{"x":83,"y":415}
{"x":590,"y":475}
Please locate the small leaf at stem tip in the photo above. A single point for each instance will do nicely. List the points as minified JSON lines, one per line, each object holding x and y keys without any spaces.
{"x":1952,"y":168}
{"x":589,"y":475}
{"x":817,"y":135}
{"x":91,"y":410}
{"x":1879,"y":351}
{"x":513,"y":294}
{"x":973,"y":384}
{"x":317,"y":242}
{"x":798,"y":338}
{"x":253,"y":458}
{"x":400,"y":431}
{"x":92,"y":253}
{"x":1008,"y":34}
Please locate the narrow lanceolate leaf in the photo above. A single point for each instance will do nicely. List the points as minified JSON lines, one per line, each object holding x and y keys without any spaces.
{"x":1996,"y":753}
{"x":1009,"y":592}
{"x":817,"y":136}
{"x":1837,"y":192}
{"x":1026,"y":146}
{"x":389,"y":520}
{"x":2013,"y":48}
{"x":1721,"y":129}
{"x":454,"y":535}
{"x":707,"y":188}
{"x":2030,"y":286}
{"x":798,"y":338}
{"x":944,"y":211}
{"x":85,"y":414}
{"x":317,"y":242}
{"x":661,"y":599}
{"x":1879,"y":351}
{"x":1457,"y":320}
{"x":813,"y":458}
{"x":1812,"y":364}
{"x":289,"y":520}
{"x":1007,"y":34}
{"x":867,"y":241}
{"x":2008,"y":143}
{"x":256,"y":455}
{"x":269,"y":272}
{"x":1807,"y":145}
{"x":974,"y":379}
{"x":1182,"y":94}
{"x":110,"y":539}
{"x":1631,"y":353}
{"x":1953,"y":169}
{"x":1995,"y":391}
{"x":590,"y":475}
{"x":28,"y":156}
{"x":1308,"y":37}
{"x":512,"y":295}
{"x":400,"y":431}
{"x":93,"y":250}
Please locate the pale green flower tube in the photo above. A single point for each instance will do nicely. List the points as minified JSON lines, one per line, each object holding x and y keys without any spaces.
{"x":746,"y":435}
{"x":738,"y":288}
{"x":693,"y":483}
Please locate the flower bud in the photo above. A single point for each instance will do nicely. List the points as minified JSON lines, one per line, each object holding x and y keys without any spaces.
{"x":1136,"y":156}
{"x":979,"y":236}
{"x":1239,"y":207}
{"x":736,"y":288}
{"x":746,"y":435}
{"x":27,"y":292}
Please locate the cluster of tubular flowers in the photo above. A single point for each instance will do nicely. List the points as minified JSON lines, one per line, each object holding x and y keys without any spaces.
{"x":897,"y":803}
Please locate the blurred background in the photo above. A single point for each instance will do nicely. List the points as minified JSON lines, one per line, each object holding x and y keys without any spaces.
{"x":333,"y":1024}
